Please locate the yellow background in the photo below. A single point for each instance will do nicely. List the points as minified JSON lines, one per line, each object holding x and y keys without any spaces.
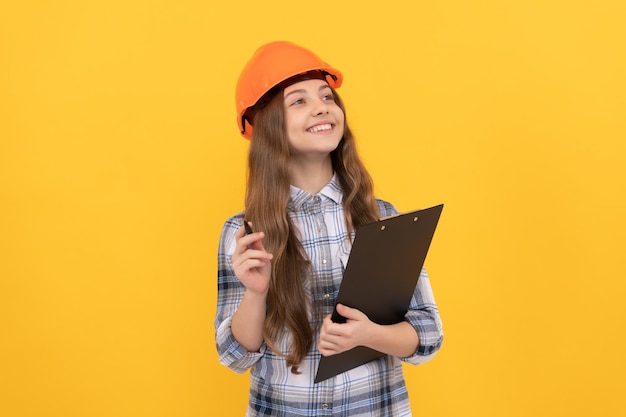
{"x":120,"y":159}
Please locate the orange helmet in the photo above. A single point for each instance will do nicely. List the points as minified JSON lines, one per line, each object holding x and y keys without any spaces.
{"x":272,"y":67}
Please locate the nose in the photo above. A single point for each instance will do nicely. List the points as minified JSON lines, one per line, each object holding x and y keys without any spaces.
{"x":321,"y":107}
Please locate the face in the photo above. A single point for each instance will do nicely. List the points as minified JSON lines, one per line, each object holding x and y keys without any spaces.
{"x":313,"y":120}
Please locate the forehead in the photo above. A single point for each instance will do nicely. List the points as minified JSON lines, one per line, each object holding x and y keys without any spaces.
{"x":313,"y":85}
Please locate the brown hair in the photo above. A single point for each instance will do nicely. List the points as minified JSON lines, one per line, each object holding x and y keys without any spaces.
{"x":267,"y":197}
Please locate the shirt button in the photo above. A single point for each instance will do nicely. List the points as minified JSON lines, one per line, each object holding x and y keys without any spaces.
{"x":323,"y":261}
{"x":325,"y":406}
{"x":327,"y":296}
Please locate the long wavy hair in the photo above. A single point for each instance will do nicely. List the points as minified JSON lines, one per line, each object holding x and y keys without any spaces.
{"x":267,"y":197}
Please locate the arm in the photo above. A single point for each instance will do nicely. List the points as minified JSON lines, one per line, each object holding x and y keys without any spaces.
{"x":251,"y":264}
{"x":415,"y":340}
{"x":397,"y":339}
{"x":423,"y":315}
{"x":240,"y":309}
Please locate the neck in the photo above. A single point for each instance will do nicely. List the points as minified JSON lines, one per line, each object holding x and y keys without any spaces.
{"x":311,"y":176}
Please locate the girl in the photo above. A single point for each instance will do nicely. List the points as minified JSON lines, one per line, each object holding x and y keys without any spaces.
{"x":307,"y":193}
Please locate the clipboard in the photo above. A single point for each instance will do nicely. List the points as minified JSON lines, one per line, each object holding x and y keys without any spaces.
{"x":384,"y":265}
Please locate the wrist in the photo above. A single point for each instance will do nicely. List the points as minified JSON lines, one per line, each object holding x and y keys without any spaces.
{"x":255,"y":297}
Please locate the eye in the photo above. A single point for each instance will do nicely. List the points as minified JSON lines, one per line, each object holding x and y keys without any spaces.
{"x":297,"y":102}
{"x":328,"y":97}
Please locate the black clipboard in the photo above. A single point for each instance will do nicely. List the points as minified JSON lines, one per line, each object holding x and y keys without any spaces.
{"x":385,"y":263}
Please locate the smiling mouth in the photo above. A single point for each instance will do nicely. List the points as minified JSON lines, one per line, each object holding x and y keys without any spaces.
{"x":320,"y":128}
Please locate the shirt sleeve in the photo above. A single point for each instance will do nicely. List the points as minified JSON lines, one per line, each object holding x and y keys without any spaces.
{"x":423,"y":315}
{"x":229,"y":293}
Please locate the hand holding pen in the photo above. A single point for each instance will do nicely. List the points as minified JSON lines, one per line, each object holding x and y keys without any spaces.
{"x":251,"y":262}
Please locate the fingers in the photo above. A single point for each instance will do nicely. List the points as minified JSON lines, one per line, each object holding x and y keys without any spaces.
{"x":244,"y":264}
{"x":350,"y":313}
{"x":252,"y":240}
{"x":251,"y":260}
{"x":340,"y":337}
{"x":332,"y":338}
{"x":331,"y":345}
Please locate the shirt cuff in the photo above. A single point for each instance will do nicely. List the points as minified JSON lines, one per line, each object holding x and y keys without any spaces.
{"x":237,"y":357}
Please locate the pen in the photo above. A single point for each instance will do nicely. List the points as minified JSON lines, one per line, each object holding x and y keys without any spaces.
{"x":248,"y":228}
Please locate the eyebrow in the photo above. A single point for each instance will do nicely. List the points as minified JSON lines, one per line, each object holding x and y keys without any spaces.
{"x":302,"y":90}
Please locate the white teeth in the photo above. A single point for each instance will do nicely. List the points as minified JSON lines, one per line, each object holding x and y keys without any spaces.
{"x":320,"y":128}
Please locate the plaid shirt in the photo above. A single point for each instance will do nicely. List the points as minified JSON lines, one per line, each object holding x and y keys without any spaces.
{"x":376,"y":388}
